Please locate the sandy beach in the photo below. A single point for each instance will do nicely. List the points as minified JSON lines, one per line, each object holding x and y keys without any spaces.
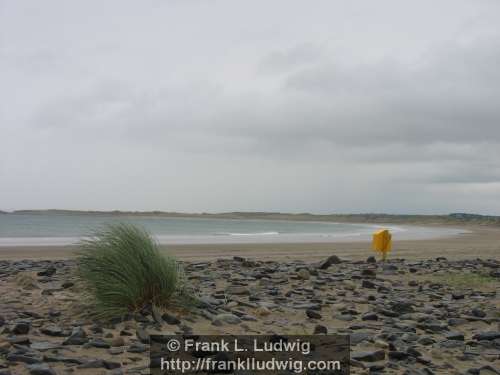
{"x":422,"y":310}
{"x":433,"y":316}
{"x":480,"y":241}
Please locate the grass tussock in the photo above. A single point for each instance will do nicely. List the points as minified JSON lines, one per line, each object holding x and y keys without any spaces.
{"x":123,"y":270}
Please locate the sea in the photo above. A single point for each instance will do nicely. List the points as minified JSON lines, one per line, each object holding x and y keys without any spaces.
{"x":52,"y":229}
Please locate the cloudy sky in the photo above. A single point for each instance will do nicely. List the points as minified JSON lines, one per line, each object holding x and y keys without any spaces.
{"x":282,"y":105}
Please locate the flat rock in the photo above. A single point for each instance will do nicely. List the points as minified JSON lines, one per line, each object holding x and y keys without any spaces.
{"x":238,"y":290}
{"x":77,"y":337}
{"x":100,"y":363}
{"x":170,"y":319}
{"x":320,"y":329}
{"x":313,"y":314}
{"x":227,"y":318}
{"x":304,"y":274}
{"x":137,"y":348}
{"x":28,"y":358}
{"x":142,"y":335}
{"x":372,"y":356}
{"x":44,"y":345}
{"x":21,"y":328}
{"x":455,"y":336}
{"x":41,"y":369}
{"x":492,"y":335}
{"x":53,"y":330}
{"x":325,"y":264}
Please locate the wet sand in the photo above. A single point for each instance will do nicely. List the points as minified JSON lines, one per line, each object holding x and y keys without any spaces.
{"x":483,"y":242}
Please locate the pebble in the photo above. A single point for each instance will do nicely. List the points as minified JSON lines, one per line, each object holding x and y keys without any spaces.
{"x":170,"y":319}
{"x":399,"y":325}
{"x":304,"y":274}
{"x":313,"y":314}
{"x":21,"y":328}
{"x":320,"y":329}
{"x":263,"y":311}
{"x":77,"y":337}
{"x":41,"y":369}
{"x":325,"y":264}
{"x":227,"y":318}
{"x":372,"y":356}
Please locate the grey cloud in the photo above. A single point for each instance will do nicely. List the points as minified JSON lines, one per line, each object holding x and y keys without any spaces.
{"x":202,"y":111}
{"x":383,"y":105}
{"x":296,"y":57}
{"x":436,"y":101}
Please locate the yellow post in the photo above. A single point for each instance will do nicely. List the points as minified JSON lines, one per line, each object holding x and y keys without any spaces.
{"x":382,"y":242}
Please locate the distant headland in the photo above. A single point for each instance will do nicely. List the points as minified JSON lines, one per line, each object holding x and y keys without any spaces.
{"x":447,"y":219}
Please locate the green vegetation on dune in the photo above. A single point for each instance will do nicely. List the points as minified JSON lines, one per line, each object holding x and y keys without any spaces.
{"x":123,"y":271}
{"x":465,"y":280}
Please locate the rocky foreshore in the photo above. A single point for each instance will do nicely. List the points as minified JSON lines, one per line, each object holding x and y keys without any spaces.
{"x":404,"y":317}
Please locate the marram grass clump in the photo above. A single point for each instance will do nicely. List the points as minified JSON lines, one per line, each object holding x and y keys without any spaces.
{"x":123,"y":271}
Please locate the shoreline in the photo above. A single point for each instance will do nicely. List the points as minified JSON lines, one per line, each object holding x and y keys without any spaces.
{"x":479,"y":241}
{"x":401,"y":232}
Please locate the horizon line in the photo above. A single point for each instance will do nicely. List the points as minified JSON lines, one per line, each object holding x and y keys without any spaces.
{"x":118,"y":211}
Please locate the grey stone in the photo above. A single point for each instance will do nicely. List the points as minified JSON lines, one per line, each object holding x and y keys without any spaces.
{"x":457,"y":295}
{"x":137,"y":348}
{"x":44,"y":345}
{"x":21,"y":328}
{"x":368,"y":284}
{"x":142,"y":335}
{"x":238,"y":290}
{"x":228,"y":318}
{"x":304,"y":274}
{"x":359,"y":337}
{"x":389,"y":313}
{"x":325,"y":264}
{"x":320,"y":329}
{"x":397,"y":355}
{"x":455,"y":336}
{"x":369,"y":273}
{"x":492,"y":335}
{"x":170,"y":319}
{"x":78,"y":337}
{"x":53,"y":330}
{"x":313,"y":314}
{"x":370,"y":316}
{"x":207,"y":301}
{"x":50,"y":271}
{"x":372,"y":356}
{"x":29,"y":358}
{"x":100,"y":363}
{"x":478,"y":313}
{"x":426,"y":340}
{"x":99,"y":343}
{"x":41,"y":369}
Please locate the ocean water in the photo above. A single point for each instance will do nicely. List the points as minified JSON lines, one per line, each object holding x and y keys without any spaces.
{"x":22,"y":229}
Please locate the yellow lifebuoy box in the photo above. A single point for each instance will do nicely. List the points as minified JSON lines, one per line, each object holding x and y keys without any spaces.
{"x":382,"y":242}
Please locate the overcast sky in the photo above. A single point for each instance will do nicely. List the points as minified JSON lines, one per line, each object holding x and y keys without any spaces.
{"x":205,"y":105}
